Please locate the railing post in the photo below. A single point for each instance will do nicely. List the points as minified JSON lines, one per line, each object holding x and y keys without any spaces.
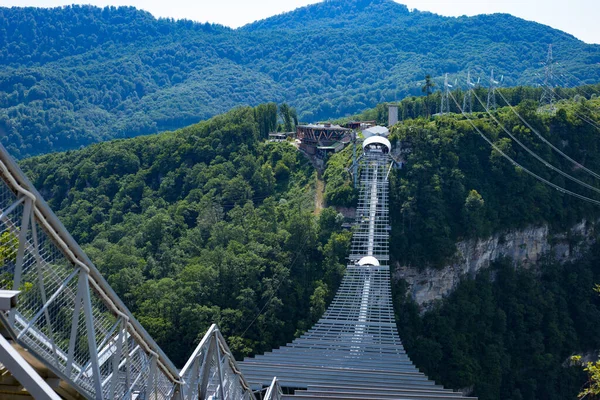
{"x":205,"y":373}
{"x":75,"y":324}
{"x":150,"y":385}
{"x":22,"y":240}
{"x":219,"y":369}
{"x":91,"y":335}
{"x":21,"y":251}
{"x":192,"y":387}
{"x":40,"y":272}
{"x":117,"y":359}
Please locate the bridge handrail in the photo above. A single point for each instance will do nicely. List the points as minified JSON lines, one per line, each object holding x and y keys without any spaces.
{"x":213,"y":371}
{"x":274,"y":392}
{"x":40,"y":213}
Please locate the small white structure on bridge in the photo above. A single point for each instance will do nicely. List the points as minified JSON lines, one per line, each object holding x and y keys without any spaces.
{"x":375,"y":143}
{"x":376,"y":131}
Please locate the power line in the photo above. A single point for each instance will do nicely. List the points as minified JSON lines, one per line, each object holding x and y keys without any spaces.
{"x":581,"y":116}
{"x":582,"y":85}
{"x":539,"y":178}
{"x":545,"y":140}
{"x":537,"y":157}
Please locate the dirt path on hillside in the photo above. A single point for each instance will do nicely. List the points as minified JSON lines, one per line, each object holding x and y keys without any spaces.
{"x":319,"y":194}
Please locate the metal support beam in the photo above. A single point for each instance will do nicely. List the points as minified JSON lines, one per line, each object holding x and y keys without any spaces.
{"x":91,"y":336}
{"x":24,"y":373}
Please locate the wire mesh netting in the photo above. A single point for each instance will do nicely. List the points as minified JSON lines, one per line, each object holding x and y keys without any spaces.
{"x":212,"y":371}
{"x":61,"y":316}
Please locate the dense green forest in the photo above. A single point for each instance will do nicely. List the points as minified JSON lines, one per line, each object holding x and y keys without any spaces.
{"x":205,"y":224}
{"x":76,"y":75}
{"x":509,"y":333}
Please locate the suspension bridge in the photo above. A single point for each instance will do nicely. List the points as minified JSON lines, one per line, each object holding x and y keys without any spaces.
{"x":68,"y":334}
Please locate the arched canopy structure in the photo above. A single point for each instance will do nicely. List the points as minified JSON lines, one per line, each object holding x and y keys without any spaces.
{"x":377,"y":143}
{"x":368,"y":260}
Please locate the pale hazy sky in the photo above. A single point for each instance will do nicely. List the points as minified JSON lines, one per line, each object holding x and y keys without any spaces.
{"x":580,"y":18}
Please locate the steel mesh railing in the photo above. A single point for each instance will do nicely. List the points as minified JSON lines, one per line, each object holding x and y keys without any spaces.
{"x":67,"y":316}
{"x":70,"y":319}
{"x":211,"y":371}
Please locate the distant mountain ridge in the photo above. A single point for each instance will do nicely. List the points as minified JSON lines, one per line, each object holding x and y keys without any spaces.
{"x":80,"y":74}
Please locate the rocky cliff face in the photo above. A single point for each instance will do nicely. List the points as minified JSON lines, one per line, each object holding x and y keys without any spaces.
{"x":524,"y":247}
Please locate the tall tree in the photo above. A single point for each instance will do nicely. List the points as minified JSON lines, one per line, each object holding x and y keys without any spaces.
{"x":428,"y":89}
{"x":287,"y":113}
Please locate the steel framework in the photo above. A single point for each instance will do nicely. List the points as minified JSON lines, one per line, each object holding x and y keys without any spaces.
{"x":353,"y":351}
{"x":70,"y":319}
{"x":212,"y":373}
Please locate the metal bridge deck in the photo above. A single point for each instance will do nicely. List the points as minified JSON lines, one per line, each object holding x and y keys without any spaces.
{"x":353,"y":351}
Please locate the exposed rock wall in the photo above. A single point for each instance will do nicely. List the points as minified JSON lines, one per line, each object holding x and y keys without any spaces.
{"x":524,"y":247}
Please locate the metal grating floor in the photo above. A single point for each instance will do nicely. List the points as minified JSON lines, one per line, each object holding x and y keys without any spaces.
{"x":353,"y":351}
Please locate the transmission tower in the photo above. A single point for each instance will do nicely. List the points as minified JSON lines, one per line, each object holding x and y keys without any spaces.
{"x":491,"y":99}
{"x":355,"y":162}
{"x":548,"y":93}
{"x":468,"y":99}
{"x":445,"y":107}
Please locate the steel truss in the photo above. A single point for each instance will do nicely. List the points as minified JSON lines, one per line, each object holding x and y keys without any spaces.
{"x":354,"y":350}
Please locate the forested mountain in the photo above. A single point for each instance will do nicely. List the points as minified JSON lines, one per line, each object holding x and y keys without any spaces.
{"x":211,"y":224}
{"x":76,"y":75}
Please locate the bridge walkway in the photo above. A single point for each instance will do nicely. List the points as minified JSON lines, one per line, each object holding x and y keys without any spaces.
{"x":354,"y":351}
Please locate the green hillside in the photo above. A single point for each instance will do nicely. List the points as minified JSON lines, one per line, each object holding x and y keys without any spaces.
{"x":76,"y":75}
{"x":202,"y":225}
{"x":211,"y":224}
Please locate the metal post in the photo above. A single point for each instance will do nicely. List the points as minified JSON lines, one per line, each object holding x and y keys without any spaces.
{"x":151,"y":378}
{"x":116,"y":360}
{"x":75,"y":324}
{"x":24,"y":373}
{"x":204,"y":375}
{"x":91,"y":335}
{"x":40,"y":272}
{"x":21,"y":251}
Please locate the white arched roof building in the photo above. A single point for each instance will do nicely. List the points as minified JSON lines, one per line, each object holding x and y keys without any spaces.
{"x":377,"y":143}
{"x":368,"y":260}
